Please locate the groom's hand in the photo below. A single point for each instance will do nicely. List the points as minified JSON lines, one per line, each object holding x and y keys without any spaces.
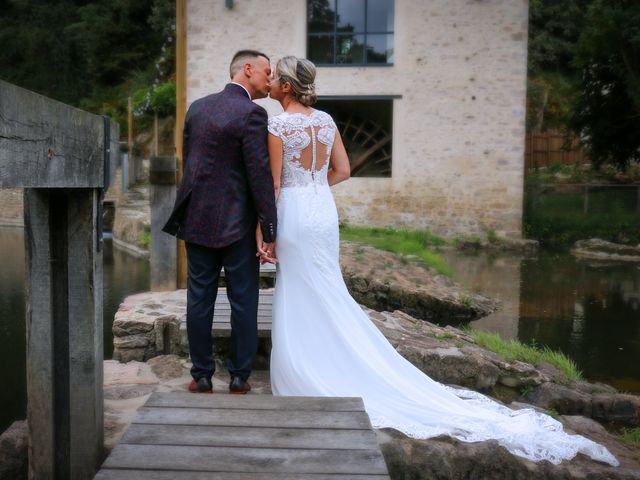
{"x":267,"y":252}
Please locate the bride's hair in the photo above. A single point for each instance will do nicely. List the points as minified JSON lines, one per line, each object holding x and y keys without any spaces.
{"x":301,"y":74}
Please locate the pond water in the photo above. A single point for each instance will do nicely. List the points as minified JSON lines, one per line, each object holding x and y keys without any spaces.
{"x":123,"y":275}
{"x":588,"y":310}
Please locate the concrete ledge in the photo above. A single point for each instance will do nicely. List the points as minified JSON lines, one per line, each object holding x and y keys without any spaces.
{"x":130,"y":248}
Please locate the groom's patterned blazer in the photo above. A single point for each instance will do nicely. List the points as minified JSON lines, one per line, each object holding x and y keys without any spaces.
{"x":227,"y":183}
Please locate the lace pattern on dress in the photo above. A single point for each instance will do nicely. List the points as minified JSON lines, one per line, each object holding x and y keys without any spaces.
{"x":298,"y":132}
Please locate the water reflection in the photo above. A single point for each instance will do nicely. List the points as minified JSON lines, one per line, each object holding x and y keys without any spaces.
{"x":590,"y":311}
{"x":123,"y":275}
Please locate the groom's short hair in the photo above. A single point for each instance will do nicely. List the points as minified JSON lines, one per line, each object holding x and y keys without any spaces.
{"x":241,"y":57}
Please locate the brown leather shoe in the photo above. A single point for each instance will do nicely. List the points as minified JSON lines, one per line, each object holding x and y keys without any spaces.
{"x":202,"y":385}
{"x":239,"y":386}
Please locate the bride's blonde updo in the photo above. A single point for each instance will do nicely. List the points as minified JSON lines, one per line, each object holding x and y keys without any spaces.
{"x":301,"y":75}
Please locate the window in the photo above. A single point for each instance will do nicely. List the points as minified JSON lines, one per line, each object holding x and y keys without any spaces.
{"x":365,"y":126}
{"x":350,"y":32}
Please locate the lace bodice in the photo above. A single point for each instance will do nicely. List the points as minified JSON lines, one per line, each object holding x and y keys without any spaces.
{"x":306,"y":143}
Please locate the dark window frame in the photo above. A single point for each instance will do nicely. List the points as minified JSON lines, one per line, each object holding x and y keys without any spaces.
{"x":391,"y":105}
{"x":335,"y":34}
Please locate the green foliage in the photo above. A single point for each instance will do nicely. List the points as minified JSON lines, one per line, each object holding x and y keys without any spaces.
{"x":554,"y":29}
{"x":145,"y":241}
{"x":466,"y":300}
{"x":515,"y":350}
{"x":400,"y":241}
{"x":492,"y":237}
{"x":163,"y":99}
{"x":526,"y":390}
{"x":553,"y":83}
{"x":550,"y":97}
{"x":584,"y":74}
{"x":553,"y":413}
{"x":443,"y":336}
{"x":90,"y":54}
{"x":631,"y":436}
{"x":607,"y":114}
{"x":558,"y":219}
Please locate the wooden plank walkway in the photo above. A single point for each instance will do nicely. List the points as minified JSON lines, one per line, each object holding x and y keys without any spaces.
{"x":222,"y":314}
{"x":182,"y":436}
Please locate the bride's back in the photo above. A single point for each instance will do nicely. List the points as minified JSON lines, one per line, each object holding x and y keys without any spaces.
{"x":307,"y":140}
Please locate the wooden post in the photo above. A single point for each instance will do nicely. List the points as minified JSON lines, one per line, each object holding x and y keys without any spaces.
{"x":162,"y":177}
{"x":181,"y":110}
{"x":131,"y":167}
{"x":63,"y":159}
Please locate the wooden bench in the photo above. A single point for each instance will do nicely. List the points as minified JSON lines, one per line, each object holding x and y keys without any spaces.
{"x":183,"y":436}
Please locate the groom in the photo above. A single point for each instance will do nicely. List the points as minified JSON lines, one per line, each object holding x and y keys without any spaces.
{"x":227,"y":188}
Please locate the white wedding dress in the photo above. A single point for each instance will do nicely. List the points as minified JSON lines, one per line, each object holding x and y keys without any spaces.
{"x":325,"y":345}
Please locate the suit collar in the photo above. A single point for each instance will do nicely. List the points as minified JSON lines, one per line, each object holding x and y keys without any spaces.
{"x":236,"y":87}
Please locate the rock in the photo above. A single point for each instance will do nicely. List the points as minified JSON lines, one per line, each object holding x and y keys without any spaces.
{"x":591,"y":388}
{"x":14,"y":443}
{"x":125,"y":392}
{"x":131,"y":373}
{"x":387,"y":281}
{"x":561,"y":399}
{"x":602,"y":250}
{"x":125,"y":325}
{"x":519,"y":374}
{"x":131,"y":341}
{"x":582,"y":425}
{"x":166,"y":366}
{"x":126,"y":355}
{"x":617,"y":408}
{"x":444,"y":355}
{"x":445,"y":458}
{"x":551,"y":373}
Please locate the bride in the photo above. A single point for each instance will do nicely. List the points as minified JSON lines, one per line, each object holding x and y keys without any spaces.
{"x":323,"y":343}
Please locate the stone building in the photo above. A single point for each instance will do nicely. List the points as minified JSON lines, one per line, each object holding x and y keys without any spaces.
{"x":429,"y":96}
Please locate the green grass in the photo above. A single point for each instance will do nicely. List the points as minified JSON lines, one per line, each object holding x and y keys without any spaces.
{"x":404,"y":242}
{"x":145,"y":241}
{"x":631,"y":436}
{"x":515,"y":350}
{"x":466,"y":300}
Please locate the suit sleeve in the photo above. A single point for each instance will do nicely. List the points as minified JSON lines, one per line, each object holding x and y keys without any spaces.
{"x":256,"y":160}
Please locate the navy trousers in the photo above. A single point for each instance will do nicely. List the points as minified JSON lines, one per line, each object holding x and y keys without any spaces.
{"x":242,"y":274}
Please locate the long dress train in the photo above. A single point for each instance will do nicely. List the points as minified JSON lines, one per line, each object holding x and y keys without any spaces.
{"x":325,"y":345}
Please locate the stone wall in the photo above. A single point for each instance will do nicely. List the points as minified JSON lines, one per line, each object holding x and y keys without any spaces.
{"x":458,"y":126}
{"x":11,"y":207}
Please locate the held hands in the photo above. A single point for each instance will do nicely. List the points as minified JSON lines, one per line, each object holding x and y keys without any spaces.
{"x":266,"y":251}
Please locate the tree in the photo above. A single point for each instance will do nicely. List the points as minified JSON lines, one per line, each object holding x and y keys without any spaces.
{"x":35,"y":52}
{"x":607,"y":113}
{"x":553,"y":83}
{"x":88,"y":53}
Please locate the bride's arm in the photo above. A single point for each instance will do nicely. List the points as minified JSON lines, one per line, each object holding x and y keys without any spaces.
{"x":275,"y":160}
{"x":339,"y":162}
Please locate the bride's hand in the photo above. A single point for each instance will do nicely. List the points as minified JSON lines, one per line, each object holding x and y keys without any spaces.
{"x":268,"y":253}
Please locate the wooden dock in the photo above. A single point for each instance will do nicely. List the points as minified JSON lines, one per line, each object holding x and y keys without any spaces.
{"x":184,"y":436}
{"x":222,"y":314}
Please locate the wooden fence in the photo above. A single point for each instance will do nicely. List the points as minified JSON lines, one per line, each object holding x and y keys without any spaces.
{"x":544,"y":149}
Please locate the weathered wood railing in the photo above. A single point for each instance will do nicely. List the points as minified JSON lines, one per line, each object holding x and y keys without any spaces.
{"x":62,"y":157}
